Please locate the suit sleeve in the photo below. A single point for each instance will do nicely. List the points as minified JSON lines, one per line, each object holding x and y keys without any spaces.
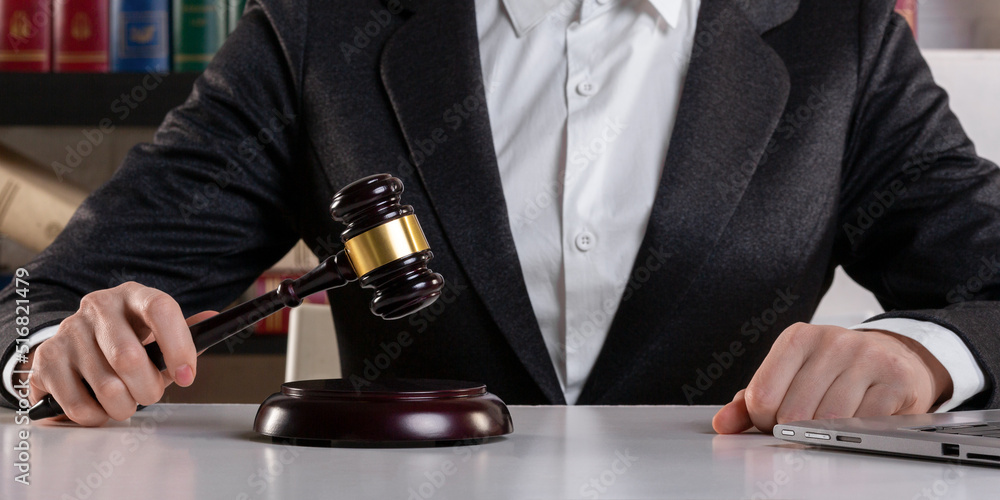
{"x":919,"y":217}
{"x":203,"y":209}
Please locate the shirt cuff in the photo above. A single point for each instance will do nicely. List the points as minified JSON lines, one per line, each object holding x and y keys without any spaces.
{"x":966,"y":377}
{"x":11,"y":363}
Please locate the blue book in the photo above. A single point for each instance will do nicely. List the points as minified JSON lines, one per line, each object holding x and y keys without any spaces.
{"x":140,"y":36}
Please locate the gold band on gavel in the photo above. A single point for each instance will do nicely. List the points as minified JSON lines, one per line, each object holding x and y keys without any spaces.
{"x":383,"y":244}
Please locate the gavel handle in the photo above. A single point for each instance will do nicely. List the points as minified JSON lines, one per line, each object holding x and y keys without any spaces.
{"x":234,"y":320}
{"x":333,"y":272}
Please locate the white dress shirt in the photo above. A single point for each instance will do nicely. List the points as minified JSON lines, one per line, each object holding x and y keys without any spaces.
{"x":582,"y":97}
{"x":570,"y":89}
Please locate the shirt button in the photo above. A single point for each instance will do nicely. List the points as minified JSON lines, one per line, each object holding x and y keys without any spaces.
{"x":585,"y":241}
{"x":586,"y":89}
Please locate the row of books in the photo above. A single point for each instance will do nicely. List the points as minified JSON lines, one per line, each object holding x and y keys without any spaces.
{"x":113,"y":35}
{"x":277,"y":323}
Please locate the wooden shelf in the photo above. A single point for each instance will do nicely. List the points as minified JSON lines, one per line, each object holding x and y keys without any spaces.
{"x":84,"y":99}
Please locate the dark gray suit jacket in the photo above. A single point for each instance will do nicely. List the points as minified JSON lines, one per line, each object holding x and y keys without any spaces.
{"x":809,"y":134}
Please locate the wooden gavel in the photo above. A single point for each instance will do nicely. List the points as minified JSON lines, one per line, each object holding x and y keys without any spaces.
{"x":384,"y":248}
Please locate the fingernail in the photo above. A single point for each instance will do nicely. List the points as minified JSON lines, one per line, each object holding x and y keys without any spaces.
{"x":184,"y":376}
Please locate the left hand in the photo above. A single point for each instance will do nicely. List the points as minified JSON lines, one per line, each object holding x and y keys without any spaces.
{"x":815,"y":371}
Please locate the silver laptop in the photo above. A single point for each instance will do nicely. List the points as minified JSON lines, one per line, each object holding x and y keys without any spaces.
{"x":964,"y":436}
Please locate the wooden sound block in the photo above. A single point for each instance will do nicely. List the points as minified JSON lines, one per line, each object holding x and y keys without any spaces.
{"x":334,"y":412}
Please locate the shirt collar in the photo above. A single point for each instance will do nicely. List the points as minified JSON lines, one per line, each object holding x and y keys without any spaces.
{"x":526,"y":14}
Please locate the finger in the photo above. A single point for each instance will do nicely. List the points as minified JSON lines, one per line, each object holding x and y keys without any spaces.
{"x":66,"y":386}
{"x":38,"y":391}
{"x":733,"y":418}
{"x":844,"y":396}
{"x":879,"y":400}
{"x":769,"y":384}
{"x":37,"y":386}
{"x":115,"y":389}
{"x":125,"y":366}
{"x":191,"y":320}
{"x":161,"y":314}
{"x":808,"y":388}
{"x":111,"y":392}
{"x":199,"y":317}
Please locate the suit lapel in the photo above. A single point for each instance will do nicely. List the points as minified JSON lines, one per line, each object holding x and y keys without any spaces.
{"x":734,"y":95}
{"x":429,"y":66}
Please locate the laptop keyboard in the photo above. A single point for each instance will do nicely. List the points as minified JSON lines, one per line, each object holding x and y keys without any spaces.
{"x":985,"y":429}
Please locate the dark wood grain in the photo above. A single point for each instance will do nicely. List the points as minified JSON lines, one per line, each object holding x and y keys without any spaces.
{"x":391,"y":411}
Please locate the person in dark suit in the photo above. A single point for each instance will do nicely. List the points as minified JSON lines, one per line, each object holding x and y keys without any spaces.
{"x":802,"y":135}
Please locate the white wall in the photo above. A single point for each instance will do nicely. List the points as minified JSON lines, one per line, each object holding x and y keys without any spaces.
{"x":972,"y":79}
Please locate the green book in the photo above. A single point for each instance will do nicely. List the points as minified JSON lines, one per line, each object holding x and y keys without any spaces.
{"x":199,"y":28}
{"x":235,"y":8}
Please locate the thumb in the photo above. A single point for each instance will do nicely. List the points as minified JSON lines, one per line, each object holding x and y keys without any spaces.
{"x":734,"y":417}
{"x":198,"y":318}
{"x":191,"y":320}
{"x":202,"y":316}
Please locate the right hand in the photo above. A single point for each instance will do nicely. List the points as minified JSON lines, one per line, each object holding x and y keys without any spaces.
{"x":103,"y":344}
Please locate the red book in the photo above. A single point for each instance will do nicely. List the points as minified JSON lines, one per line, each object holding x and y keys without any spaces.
{"x":908,"y":9}
{"x":24,"y":44}
{"x":80,"y":36}
{"x":277,"y":323}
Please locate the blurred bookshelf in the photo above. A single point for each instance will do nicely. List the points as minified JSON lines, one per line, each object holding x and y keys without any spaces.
{"x":43,"y":113}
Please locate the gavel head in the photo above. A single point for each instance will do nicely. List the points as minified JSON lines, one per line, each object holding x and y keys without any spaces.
{"x":385,"y":246}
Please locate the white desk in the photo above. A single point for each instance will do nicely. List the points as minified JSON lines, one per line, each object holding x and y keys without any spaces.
{"x":210,"y":452}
